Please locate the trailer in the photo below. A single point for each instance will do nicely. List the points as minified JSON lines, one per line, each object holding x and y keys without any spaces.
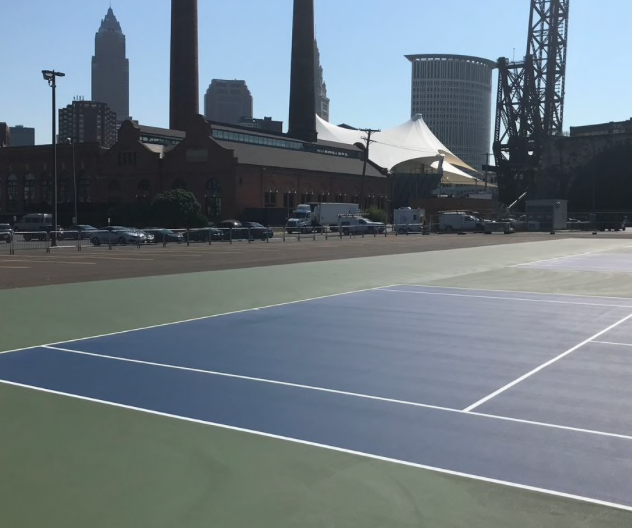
{"x":325,"y":215}
{"x":407,"y":220}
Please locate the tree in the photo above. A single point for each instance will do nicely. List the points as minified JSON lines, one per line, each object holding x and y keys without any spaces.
{"x":376,"y":215}
{"x":177,"y":209}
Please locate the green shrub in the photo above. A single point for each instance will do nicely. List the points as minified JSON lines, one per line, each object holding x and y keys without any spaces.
{"x":376,"y":215}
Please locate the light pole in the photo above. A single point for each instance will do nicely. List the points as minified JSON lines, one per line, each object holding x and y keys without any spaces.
{"x":75,"y":219}
{"x":51,"y":77}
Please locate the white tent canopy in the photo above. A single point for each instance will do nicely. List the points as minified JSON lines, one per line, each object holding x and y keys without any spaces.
{"x":410,"y":141}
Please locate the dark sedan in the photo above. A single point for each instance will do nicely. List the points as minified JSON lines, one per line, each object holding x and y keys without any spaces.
{"x":258,"y":230}
{"x":234,"y":230}
{"x":163,"y":235}
{"x":84,"y":230}
{"x":203,"y":234}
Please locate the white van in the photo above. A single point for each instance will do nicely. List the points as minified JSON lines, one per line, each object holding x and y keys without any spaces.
{"x":459,"y":222}
{"x":35,"y":222}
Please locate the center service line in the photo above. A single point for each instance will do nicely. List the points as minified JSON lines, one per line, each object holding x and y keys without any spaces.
{"x":544,"y":365}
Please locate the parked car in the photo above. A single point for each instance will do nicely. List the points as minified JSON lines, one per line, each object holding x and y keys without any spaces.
{"x":235,"y":230}
{"x":6,"y":233}
{"x":74,"y":231}
{"x":43,"y":232}
{"x":202,"y":234}
{"x":120,"y":235}
{"x":162,"y":235}
{"x":258,"y":231}
{"x":357,"y":225}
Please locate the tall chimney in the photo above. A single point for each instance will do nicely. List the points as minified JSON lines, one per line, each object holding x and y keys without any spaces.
{"x":184,"y":102}
{"x":302,"y":122}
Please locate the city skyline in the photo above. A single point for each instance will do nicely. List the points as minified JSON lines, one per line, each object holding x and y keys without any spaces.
{"x":267,"y":66}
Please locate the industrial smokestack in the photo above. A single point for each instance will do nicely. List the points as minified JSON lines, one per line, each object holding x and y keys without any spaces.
{"x":184,"y":103}
{"x":302,"y":122}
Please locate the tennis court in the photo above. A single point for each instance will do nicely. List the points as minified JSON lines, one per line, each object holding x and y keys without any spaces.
{"x":449,"y":379}
{"x":525,"y":391}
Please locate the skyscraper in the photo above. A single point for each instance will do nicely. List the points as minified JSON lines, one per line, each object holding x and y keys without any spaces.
{"x":110,"y":67}
{"x":5,"y":134}
{"x":453,"y":93}
{"x":322,"y":101}
{"x":21,"y":136}
{"x":227,"y":101}
{"x":88,"y":122}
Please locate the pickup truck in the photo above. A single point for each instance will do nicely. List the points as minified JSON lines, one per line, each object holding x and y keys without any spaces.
{"x":359,"y":225}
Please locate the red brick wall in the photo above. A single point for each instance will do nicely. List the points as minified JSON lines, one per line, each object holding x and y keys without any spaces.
{"x":116,"y":174}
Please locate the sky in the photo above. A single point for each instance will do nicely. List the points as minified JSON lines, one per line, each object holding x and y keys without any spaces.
{"x":362,"y":45}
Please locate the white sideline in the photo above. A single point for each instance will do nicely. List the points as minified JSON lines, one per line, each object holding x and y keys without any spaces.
{"x":521,"y":299}
{"x":342,"y":393}
{"x":514,"y":485}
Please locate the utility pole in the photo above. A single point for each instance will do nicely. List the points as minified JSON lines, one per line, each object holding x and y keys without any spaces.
{"x":367,"y":139}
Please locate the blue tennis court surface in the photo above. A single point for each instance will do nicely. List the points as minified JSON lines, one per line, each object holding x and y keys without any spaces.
{"x":532,"y":390}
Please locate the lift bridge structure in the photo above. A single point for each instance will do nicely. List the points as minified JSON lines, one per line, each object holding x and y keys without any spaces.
{"x":530,"y":100}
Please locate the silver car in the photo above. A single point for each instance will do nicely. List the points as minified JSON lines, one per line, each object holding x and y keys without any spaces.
{"x":119,"y":235}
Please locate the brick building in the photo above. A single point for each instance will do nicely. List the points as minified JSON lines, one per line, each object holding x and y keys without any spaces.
{"x":233,"y":172}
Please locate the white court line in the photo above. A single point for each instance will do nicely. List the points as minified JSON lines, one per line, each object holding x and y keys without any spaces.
{"x":521,"y":299}
{"x":50,"y":261}
{"x":334,"y":448}
{"x":524,"y":292}
{"x":570,"y":256}
{"x":612,"y":343}
{"x":201,"y":318}
{"x":545,"y":365}
{"x":341,"y":393}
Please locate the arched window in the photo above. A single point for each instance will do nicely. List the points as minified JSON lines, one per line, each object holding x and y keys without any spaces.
{"x":46,"y":184}
{"x":213,"y":186}
{"x":12,"y":192}
{"x":65,"y":191}
{"x":114,"y":186}
{"x":143,"y":191}
{"x":29,"y":189}
{"x":83,"y":189}
{"x":179,"y":184}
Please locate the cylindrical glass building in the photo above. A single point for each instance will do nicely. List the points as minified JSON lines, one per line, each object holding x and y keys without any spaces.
{"x":453,"y":93}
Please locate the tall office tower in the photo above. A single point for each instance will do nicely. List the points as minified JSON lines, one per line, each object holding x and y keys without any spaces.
{"x":184,"y":96}
{"x":110,"y":67}
{"x":227,"y":101}
{"x":322,"y":101}
{"x":302,"y":122}
{"x":21,"y":136}
{"x":88,"y":122}
{"x":453,"y":93}
{"x":5,"y":134}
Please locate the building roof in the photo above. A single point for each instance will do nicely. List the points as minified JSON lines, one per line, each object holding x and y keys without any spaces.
{"x":110,"y":23}
{"x":162,"y":132}
{"x":448,"y":56}
{"x":315,"y":159}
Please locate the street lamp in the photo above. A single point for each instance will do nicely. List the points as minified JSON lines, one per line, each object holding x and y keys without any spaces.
{"x":74,"y":179}
{"x":51,"y":77}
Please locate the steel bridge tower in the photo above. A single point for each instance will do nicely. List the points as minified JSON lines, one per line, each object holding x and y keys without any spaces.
{"x":530,"y":100}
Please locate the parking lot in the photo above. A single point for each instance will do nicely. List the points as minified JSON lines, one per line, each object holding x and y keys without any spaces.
{"x":38,"y":263}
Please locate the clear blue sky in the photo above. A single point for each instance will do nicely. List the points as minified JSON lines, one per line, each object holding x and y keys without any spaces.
{"x":362,"y":44}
